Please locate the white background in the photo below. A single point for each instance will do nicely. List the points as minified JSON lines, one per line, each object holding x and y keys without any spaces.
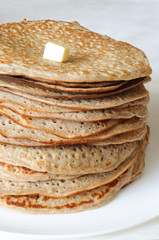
{"x":133,"y":21}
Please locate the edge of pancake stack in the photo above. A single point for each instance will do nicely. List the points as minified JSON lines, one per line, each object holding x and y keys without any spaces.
{"x":72,"y":134}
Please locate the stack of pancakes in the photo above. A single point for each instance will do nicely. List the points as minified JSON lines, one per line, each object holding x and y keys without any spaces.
{"x":71,"y":134}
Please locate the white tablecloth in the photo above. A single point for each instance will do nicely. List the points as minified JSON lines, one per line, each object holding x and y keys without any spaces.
{"x":133,"y":21}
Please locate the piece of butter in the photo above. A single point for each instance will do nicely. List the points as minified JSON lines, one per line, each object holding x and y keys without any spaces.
{"x":56,"y":52}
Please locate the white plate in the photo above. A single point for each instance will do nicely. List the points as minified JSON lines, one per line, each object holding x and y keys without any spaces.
{"x":135,"y":204}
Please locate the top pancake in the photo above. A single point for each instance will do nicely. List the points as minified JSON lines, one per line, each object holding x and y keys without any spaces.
{"x":93,"y":57}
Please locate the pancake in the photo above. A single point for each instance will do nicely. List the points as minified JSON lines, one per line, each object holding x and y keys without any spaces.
{"x":81,"y":201}
{"x":45,"y":89}
{"x":129,"y":95}
{"x":128,"y":136}
{"x":63,"y":129}
{"x":67,"y":84}
{"x":50,"y":130}
{"x":80,"y":116}
{"x":70,"y":160}
{"x":23,"y":86}
{"x":63,"y":188}
{"x":39,"y":136}
{"x":70,"y":129}
{"x":93,"y":57}
{"x":7,"y":151}
{"x":12,"y":172}
{"x":85,"y":87}
{"x":124,"y":137}
{"x":25,"y":105}
{"x":72,"y":134}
